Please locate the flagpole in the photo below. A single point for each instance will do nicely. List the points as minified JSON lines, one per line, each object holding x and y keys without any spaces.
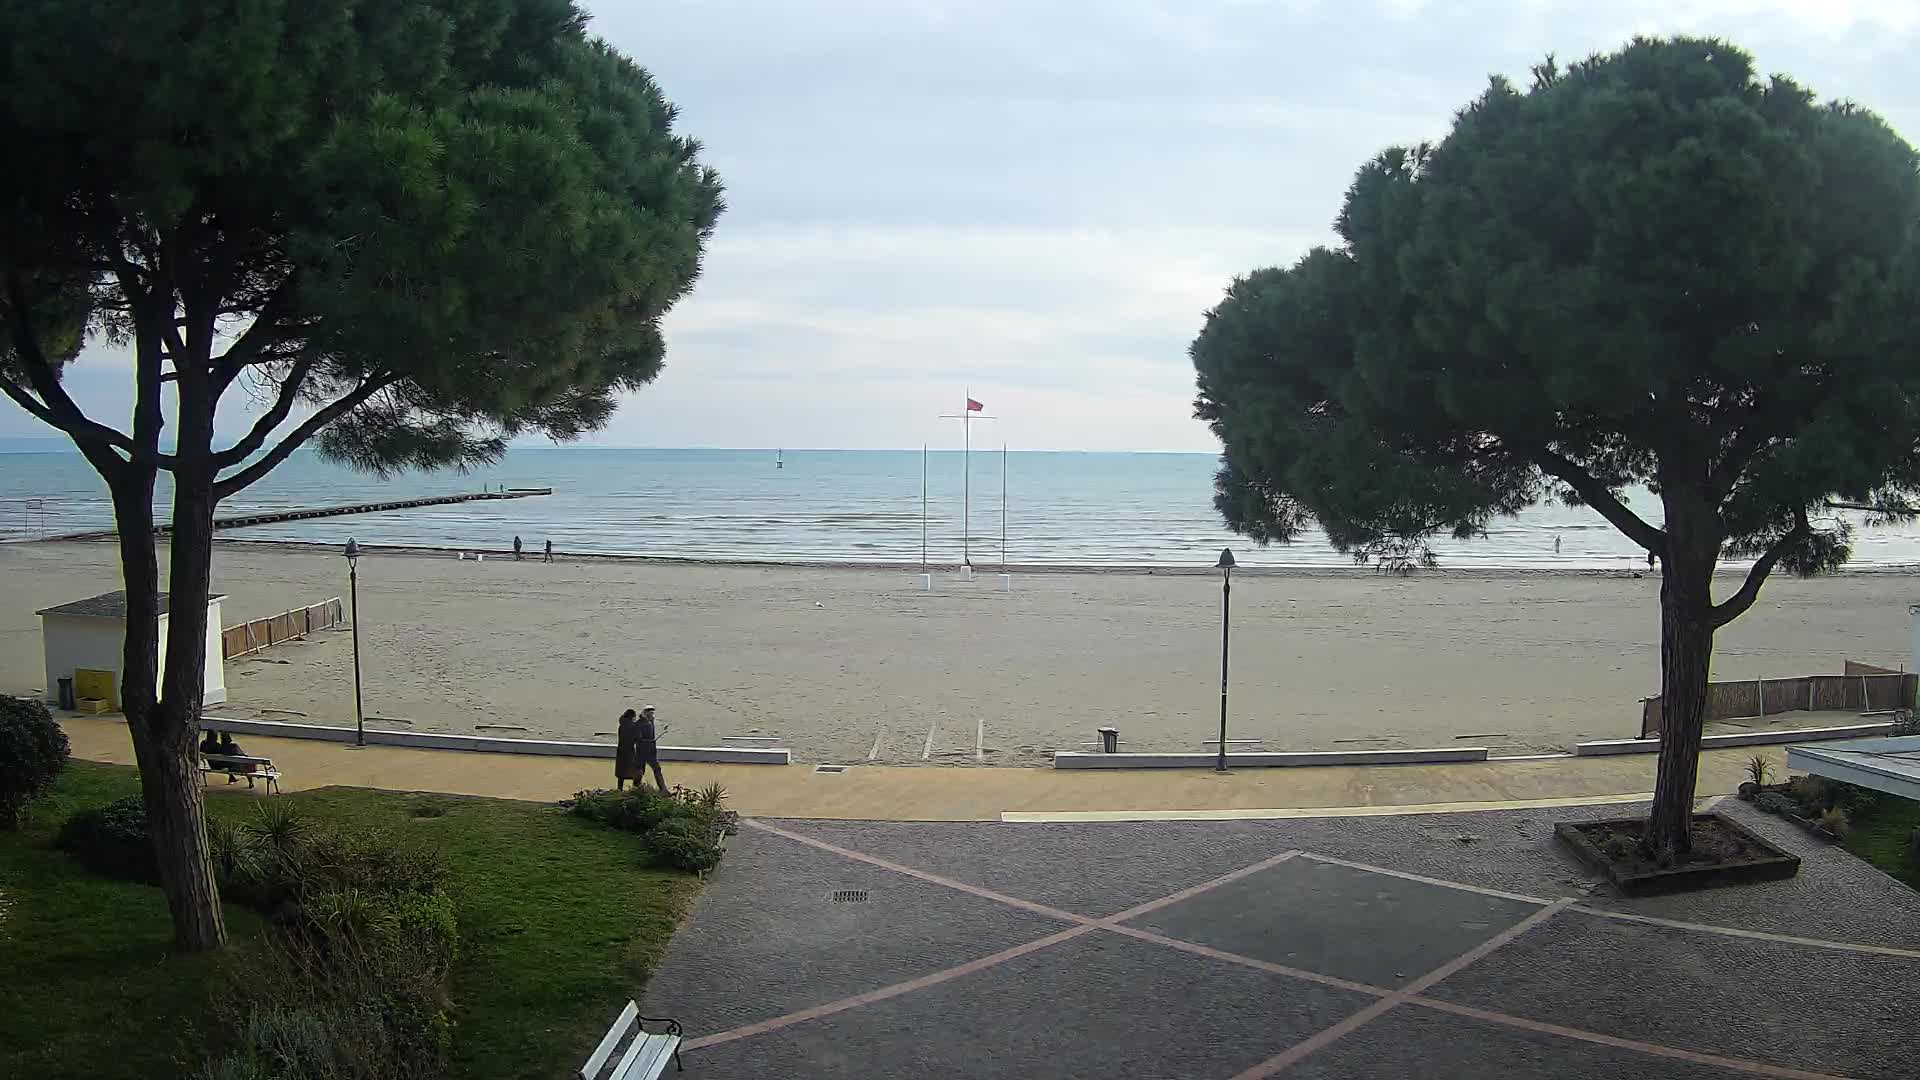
{"x":1003,"y":506}
{"x":923,"y":508}
{"x":966,"y":481}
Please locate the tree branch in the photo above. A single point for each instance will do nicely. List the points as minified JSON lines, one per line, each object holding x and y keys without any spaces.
{"x":282,"y":406}
{"x":1596,"y":495}
{"x":241,"y":480}
{"x":54,"y":406}
{"x":1736,"y":605}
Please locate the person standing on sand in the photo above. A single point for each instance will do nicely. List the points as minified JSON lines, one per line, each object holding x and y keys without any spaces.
{"x":626,"y":755}
{"x":516,"y":549}
{"x":1556,"y":543}
{"x":549,"y":549}
{"x":649,"y":749}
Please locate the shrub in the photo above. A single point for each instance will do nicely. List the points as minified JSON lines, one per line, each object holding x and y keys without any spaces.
{"x":33,"y":750}
{"x":1759,"y":769}
{"x":1774,"y":802}
{"x":277,"y":863}
{"x":317,"y":1013}
{"x":1852,"y":798}
{"x":1749,"y":791}
{"x":1810,"y":792}
{"x":1837,"y":821}
{"x":112,"y":840}
{"x":354,"y":972}
{"x":685,"y":843}
{"x":636,"y":809}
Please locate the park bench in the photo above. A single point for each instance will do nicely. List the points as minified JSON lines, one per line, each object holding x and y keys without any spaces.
{"x":646,"y":1052}
{"x":241,"y":766}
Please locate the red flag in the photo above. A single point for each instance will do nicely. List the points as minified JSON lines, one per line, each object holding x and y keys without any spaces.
{"x":974,"y":406}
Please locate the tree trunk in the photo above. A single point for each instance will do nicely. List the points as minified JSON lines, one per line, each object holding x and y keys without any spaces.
{"x":164,"y":735}
{"x":1686,"y":655}
{"x":175,"y":811}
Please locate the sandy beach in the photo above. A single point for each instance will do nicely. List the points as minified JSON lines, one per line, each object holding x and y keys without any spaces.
{"x":851,"y":665}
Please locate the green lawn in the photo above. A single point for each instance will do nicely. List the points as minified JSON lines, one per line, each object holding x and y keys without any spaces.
{"x":1883,"y":837}
{"x":559,"y":922}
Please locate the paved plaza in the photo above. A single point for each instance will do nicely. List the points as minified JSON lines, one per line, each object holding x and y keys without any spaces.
{"x":1457,"y":945}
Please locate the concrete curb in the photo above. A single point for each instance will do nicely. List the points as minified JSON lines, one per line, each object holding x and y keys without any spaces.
{"x":1081,"y":759}
{"x":1721,"y":742}
{"x":424,"y":740}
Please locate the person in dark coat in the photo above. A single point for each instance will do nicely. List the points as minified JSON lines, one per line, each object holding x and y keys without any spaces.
{"x":210,"y":744}
{"x":649,"y":749}
{"x":626,"y":755}
{"x":229,"y":748}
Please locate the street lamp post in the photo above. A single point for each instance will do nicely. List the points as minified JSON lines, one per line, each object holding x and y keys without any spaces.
{"x":353,"y":592}
{"x":1226,"y":603}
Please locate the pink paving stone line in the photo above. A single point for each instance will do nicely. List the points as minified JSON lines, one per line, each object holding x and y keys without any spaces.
{"x":1388,"y":999}
{"x":1084,"y":925}
{"x":1330,"y":1035}
{"x":1757,"y":1068}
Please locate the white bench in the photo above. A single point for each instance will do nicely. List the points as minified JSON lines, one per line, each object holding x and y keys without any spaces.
{"x":235,"y":766}
{"x":647,"y":1052}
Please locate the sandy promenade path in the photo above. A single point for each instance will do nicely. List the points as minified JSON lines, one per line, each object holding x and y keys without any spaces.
{"x":850,"y":665}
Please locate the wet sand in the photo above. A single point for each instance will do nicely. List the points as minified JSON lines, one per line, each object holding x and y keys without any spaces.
{"x":855,"y":664}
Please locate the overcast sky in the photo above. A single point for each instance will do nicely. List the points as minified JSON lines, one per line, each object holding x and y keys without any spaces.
{"x":1037,"y":201}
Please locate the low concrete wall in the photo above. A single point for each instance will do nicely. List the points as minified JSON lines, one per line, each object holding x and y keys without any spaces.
{"x":1081,"y":759}
{"x":427,"y":740}
{"x":1721,"y":742}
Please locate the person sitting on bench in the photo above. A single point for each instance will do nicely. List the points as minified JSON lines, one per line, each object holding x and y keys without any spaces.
{"x":229,"y":748}
{"x":210,"y":744}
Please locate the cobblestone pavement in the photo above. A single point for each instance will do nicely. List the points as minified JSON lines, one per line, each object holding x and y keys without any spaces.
{"x":1461,"y":945}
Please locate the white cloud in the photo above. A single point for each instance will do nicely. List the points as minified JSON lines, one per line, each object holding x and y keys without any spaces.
{"x":1040,"y":200}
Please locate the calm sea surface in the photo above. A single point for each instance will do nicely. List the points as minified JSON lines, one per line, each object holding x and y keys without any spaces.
{"x":855,"y":505}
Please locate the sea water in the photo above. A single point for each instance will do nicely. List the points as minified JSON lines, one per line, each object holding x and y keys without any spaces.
{"x":1097,"y":509}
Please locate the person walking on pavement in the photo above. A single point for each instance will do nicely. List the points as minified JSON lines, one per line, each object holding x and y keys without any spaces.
{"x":626,"y":755}
{"x":648,"y":753}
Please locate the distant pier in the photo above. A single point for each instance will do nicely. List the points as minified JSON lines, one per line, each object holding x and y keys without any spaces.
{"x":241,"y":521}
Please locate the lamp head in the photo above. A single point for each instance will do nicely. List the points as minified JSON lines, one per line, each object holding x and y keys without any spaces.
{"x":1226,"y":559}
{"x":353,"y":549}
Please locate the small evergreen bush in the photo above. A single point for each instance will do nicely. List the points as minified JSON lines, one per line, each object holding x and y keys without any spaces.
{"x":33,"y":750}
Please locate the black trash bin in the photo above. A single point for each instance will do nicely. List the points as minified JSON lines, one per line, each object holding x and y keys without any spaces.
{"x":1110,"y":740}
{"x":66,"y":693}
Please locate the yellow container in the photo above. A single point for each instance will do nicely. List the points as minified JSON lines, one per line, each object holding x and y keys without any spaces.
{"x":96,"y":684}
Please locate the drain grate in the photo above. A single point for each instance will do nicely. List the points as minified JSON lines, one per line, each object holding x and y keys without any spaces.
{"x":850,"y":896}
{"x":829,"y":768}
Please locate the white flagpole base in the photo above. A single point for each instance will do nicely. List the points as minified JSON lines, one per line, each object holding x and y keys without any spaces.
{"x":966,"y":573}
{"x":1006,"y":582}
{"x":926,"y":582}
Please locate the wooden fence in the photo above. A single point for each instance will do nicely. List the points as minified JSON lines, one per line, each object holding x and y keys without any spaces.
{"x":251,"y":637}
{"x":1863,"y":688}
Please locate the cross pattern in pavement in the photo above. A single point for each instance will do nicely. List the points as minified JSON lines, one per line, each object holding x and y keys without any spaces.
{"x":1381,"y":939}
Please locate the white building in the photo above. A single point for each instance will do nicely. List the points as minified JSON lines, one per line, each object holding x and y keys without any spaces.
{"x":90,"y":635}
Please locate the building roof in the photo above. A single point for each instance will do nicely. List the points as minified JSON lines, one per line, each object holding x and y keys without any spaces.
{"x":1889,"y":764}
{"x":108,"y":605}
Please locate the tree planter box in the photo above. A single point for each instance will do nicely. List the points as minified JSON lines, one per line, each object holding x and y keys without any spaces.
{"x":1760,"y":859}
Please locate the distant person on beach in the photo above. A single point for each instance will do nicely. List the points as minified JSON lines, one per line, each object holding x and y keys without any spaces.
{"x":1556,"y":543}
{"x":649,"y":752}
{"x":1649,"y":560}
{"x":516,"y":549}
{"x":626,"y":755}
{"x":549,"y":549}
